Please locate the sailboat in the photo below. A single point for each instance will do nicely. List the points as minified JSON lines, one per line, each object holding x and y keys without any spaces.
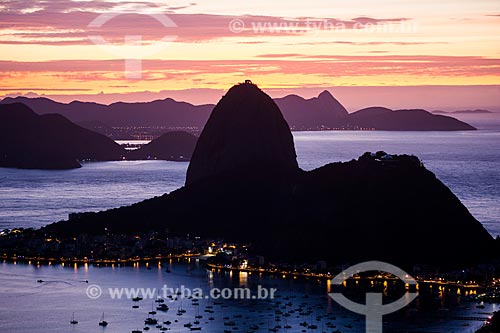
{"x":152,"y":312}
{"x":181,"y":311}
{"x":103,"y":322}
{"x":150,"y":321}
{"x":73,"y":321}
{"x":162,"y":307}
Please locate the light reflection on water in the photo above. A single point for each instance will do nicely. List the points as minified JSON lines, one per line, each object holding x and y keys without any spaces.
{"x":63,"y":292}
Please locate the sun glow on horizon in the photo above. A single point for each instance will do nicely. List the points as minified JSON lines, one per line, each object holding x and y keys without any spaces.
{"x":46,"y":49}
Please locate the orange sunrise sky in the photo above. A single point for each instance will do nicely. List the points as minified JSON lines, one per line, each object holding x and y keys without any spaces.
{"x":394,"y":53}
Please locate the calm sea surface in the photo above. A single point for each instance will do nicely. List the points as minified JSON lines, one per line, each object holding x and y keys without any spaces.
{"x":468,"y":162}
{"x":29,"y":306}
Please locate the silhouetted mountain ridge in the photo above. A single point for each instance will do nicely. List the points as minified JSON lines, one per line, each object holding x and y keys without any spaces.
{"x":32,"y":141}
{"x":155,"y":113}
{"x":381,"y":118}
{"x":379,"y":207}
{"x":476,"y":111}
{"x":50,"y":141}
{"x":318,"y":113}
{"x":171,"y":146}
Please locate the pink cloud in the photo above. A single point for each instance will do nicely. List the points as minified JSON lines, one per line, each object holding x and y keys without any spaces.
{"x":282,"y":64}
{"x":370,"y":20}
{"x":66,"y":23}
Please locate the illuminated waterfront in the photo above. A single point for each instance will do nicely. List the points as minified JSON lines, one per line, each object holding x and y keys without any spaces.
{"x":63,"y":291}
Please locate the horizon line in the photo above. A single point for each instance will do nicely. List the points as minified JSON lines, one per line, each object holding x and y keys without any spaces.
{"x":210,"y":96}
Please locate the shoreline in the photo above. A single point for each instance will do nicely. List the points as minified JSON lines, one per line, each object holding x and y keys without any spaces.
{"x":50,"y":261}
{"x":298,"y":294}
{"x":214,"y":267}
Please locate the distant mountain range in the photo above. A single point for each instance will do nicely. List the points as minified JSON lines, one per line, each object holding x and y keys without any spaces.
{"x":41,"y":133}
{"x":50,"y":141}
{"x":319,"y":113}
{"x":155,"y":113}
{"x":384,"y":119}
{"x":477,"y":111}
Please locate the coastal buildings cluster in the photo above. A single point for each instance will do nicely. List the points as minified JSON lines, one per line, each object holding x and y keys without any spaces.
{"x":35,"y":246}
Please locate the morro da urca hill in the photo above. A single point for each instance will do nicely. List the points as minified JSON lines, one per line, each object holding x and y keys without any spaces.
{"x":244,"y":185}
{"x":50,"y":141}
{"x":245,"y":129}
